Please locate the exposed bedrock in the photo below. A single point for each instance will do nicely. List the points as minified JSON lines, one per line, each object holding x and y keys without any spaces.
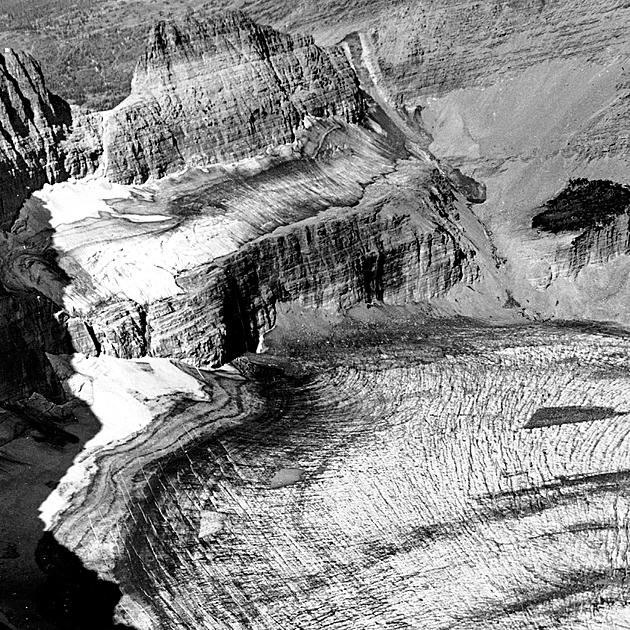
{"x":363,"y":255}
{"x":32,"y":122}
{"x":38,"y":144}
{"x":434,"y":48}
{"x":393,"y":246}
{"x":526,"y":135}
{"x":523,"y":96}
{"x":336,"y":201}
{"x":219,"y":90}
{"x":29,"y":329}
{"x":192,"y":266}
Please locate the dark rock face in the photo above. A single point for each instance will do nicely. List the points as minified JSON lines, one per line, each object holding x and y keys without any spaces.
{"x":221,"y":90}
{"x":29,"y":329}
{"x":83,"y":148}
{"x":32,"y":122}
{"x":474,"y":191}
{"x":583,"y":204}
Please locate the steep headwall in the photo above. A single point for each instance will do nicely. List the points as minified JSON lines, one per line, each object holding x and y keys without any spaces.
{"x":436,"y":47}
{"x":220,"y":90}
{"x":398,"y":250}
{"x":330,"y":213}
{"x":407,"y":237}
{"x":32,"y":122}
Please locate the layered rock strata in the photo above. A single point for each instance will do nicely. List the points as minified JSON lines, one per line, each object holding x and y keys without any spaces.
{"x":197,"y":265}
{"x":220,"y":90}
{"x":351,"y":217}
{"x":194,"y":267}
{"x":346,"y":257}
{"x":42,"y":139}
{"x":32,"y":123}
{"x":83,"y":148}
{"x":432,"y":48}
{"x":570,"y":126}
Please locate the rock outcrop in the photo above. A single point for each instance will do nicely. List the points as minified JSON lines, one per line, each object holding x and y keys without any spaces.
{"x":541,"y":102}
{"x":29,"y":329}
{"x":393,"y":248}
{"x":221,"y":90}
{"x":593,"y":216}
{"x":194,"y":266}
{"x":83,"y":148}
{"x":32,"y":123}
{"x":331,"y":214}
{"x":433,"y":48}
{"x":298,"y":209}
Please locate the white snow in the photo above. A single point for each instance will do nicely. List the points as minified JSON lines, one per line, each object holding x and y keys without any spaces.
{"x":124,"y":396}
{"x":211,"y":523}
{"x":73,"y":201}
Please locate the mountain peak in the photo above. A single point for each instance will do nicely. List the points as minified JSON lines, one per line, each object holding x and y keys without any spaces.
{"x":222,"y":89}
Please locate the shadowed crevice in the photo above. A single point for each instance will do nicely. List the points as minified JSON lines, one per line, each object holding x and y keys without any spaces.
{"x":553,"y":416}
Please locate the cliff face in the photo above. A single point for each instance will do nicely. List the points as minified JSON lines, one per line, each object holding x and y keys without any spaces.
{"x":436,"y":47}
{"x":29,"y":329}
{"x":326,"y":214}
{"x":32,"y":122}
{"x":394,"y":249}
{"x":83,"y":148}
{"x":524,"y":96}
{"x":221,"y":90}
{"x":194,"y":266}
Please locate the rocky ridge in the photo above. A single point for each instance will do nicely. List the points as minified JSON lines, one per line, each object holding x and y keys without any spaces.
{"x":433,"y":48}
{"x":42,"y":139}
{"x":314,"y":212}
{"x":32,"y":123}
{"x":220,"y":90}
{"x":365,"y":221}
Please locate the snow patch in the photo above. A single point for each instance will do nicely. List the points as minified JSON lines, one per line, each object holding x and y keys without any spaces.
{"x":74,"y":201}
{"x":125,"y":397}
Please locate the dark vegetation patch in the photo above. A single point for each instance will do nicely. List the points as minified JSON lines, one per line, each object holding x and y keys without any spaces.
{"x":583,"y":204}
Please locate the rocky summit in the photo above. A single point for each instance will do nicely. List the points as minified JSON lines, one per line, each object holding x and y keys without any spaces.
{"x":219,"y":91}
